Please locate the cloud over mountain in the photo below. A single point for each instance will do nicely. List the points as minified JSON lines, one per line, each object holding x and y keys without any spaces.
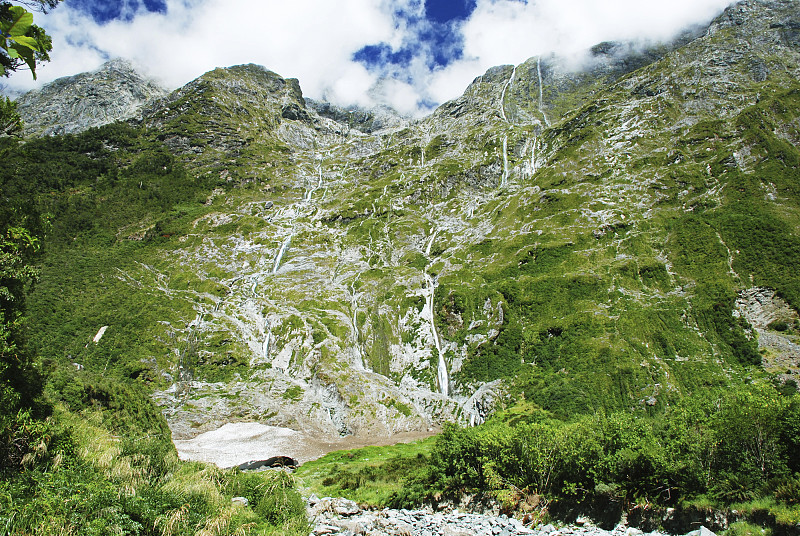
{"x":402,"y":52}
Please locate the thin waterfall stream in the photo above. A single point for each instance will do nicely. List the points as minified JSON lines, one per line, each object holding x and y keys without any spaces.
{"x":281,"y":253}
{"x":307,"y":200}
{"x":509,"y":84}
{"x":441,"y":370}
{"x":503,"y":95}
{"x":541,"y":91}
{"x":442,"y":376}
{"x":430,"y":243}
{"x":504,"y":178}
{"x":354,"y":296}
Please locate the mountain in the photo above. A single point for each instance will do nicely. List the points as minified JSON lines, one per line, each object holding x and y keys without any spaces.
{"x":114,"y":92}
{"x":611,"y":236}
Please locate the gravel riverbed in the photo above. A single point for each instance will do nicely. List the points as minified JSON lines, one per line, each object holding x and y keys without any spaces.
{"x":342,"y":517}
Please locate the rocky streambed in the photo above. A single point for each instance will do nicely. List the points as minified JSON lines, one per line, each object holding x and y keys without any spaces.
{"x":337,"y":516}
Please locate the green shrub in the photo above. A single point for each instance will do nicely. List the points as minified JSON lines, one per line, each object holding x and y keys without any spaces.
{"x":743,"y":528}
{"x":778,"y":325}
{"x":280,"y":502}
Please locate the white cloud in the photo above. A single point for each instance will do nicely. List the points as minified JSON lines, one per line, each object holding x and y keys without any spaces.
{"x":314,"y":40}
{"x":509,"y":31}
{"x":401,"y":96}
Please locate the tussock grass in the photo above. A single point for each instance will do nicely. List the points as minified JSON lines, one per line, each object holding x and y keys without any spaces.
{"x":369,"y":475}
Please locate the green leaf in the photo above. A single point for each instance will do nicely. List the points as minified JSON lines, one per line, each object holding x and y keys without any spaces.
{"x":26,"y":41}
{"x":26,"y":54}
{"x":21,"y":21}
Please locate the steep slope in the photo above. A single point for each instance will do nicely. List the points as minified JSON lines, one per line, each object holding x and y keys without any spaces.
{"x":576,"y":238}
{"x":114,"y":92}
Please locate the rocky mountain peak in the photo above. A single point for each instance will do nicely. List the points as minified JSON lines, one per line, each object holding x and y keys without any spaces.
{"x":114,"y":92}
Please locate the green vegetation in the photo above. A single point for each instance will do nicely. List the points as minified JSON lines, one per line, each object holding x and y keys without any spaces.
{"x":601,"y":287}
{"x":85,"y":476}
{"x":21,"y":41}
{"x":83,"y":449}
{"x":727,"y":449}
{"x":370,"y":475}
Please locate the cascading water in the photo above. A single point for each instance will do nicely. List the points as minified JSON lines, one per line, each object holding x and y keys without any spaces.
{"x":504,"y":178}
{"x":255,"y":285}
{"x":503,"y":95}
{"x":430,"y":243}
{"x":356,"y":333}
{"x":541,"y":91}
{"x":281,"y":252}
{"x":311,"y":191}
{"x":508,"y":85}
{"x":441,"y":372}
{"x":442,"y":377}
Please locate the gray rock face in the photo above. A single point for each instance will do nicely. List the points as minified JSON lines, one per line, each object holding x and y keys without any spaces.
{"x":763,"y":309}
{"x":364,"y":120}
{"x":72,"y":104}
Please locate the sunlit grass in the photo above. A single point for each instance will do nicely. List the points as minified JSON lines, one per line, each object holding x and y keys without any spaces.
{"x":369,"y":475}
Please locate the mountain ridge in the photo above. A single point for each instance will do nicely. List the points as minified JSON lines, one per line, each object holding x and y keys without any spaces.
{"x":113,"y":92}
{"x":577,"y":239}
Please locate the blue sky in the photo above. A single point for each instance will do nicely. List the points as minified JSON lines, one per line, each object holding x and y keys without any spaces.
{"x":409,"y":54}
{"x":105,"y":11}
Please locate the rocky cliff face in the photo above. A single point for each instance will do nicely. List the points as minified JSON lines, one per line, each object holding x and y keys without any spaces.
{"x":574,"y":237}
{"x":364,"y":120}
{"x":114,"y":92}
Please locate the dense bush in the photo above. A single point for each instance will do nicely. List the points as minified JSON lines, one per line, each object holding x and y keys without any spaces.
{"x":729,"y":447}
{"x":280,"y":501}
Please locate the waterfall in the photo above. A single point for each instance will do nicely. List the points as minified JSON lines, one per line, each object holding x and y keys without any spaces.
{"x":311,"y":191}
{"x":255,"y":284}
{"x":281,"y":252}
{"x":355,"y":319}
{"x":430,"y":243}
{"x":503,"y":95}
{"x":354,"y":305}
{"x":441,"y":373}
{"x":505,"y":161}
{"x":533,"y":155}
{"x":541,"y":92}
{"x":508,"y":85}
{"x":354,"y":296}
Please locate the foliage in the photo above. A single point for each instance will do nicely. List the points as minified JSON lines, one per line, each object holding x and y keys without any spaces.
{"x":105,"y":455}
{"x":20,"y":379}
{"x":21,"y":41}
{"x":376,"y":476}
{"x":732,"y":446}
{"x":85,"y":481}
{"x":10,"y":121}
{"x":280,"y":501}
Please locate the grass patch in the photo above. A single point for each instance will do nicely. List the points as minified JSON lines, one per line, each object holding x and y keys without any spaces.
{"x":370,"y":475}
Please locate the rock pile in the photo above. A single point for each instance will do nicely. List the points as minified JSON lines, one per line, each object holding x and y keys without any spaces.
{"x":337,"y":516}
